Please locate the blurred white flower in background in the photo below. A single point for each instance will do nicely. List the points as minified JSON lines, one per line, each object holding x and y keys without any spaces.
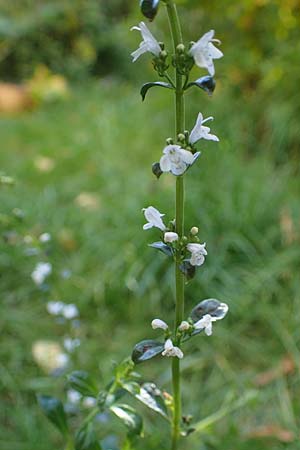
{"x":49,"y":355}
{"x":41,"y":272}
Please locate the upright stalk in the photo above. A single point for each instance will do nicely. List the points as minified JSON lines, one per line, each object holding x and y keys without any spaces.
{"x":179,"y":311}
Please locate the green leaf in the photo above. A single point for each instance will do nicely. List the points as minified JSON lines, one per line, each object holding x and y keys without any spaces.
{"x":147,"y":86}
{"x":54,"y":410}
{"x":124,"y":369}
{"x":145,"y":350}
{"x":149,"y":395}
{"x":206,"y":83}
{"x":188,"y":270}
{"x":209,"y":306}
{"x":86,"y":439}
{"x":129,"y":417}
{"x":166,"y":249}
{"x":83,"y":383}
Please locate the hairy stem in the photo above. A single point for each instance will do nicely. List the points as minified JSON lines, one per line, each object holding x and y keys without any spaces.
{"x":179,"y":311}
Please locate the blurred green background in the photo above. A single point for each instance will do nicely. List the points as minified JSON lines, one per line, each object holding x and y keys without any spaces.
{"x":80,"y":143}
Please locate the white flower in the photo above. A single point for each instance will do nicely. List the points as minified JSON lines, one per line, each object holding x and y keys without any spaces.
{"x":45,"y":237}
{"x":55,"y":308}
{"x":71,"y":344}
{"x":170,"y":350}
{"x":206,"y":324}
{"x":41,"y":272}
{"x":149,"y":43}
{"x":198,"y":252}
{"x":154,"y":218}
{"x":170,"y":236}
{"x":73,"y":396}
{"x":70,"y":311}
{"x":175,"y":159}
{"x":184,"y":326}
{"x":199,"y":131}
{"x":157,"y":323}
{"x":204,"y":52}
{"x":89,"y":402}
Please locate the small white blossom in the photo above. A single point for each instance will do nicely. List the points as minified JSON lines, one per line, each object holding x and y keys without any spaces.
{"x":170,"y":350}
{"x":41,"y":272}
{"x":70,"y":311}
{"x":204,"y":52}
{"x":170,"y":236}
{"x":154,"y":218}
{"x":45,"y":237}
{"x":184,"y":326}
{"x":198,"y":252}
{"x":73,"y":396}
{"x":71,"y":344}
{"x":175,"y":159}
{"x":199,"y":131}
{"x":55,"y":308}
{"x":89,"y":402}
{"x":157,"y":323}
{"x":206,"y":324}
{"x":149,"y":43}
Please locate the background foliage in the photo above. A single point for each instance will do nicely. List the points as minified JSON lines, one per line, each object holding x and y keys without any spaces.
{"x":82,"y":171}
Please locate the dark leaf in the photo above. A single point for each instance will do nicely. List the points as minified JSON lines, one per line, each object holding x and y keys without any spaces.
{"x":131,"y":419}
{"x":86,"y":439}
{"x":188,"y":270}
{"x":83,"y":383}
{"x":206,"y":83}
{"x":209,"y":306}
{"x":149,"y":8}
{"x":145,"y":350}
{"x":147,"y":86}
{"x":166,"y":249}
{"x":156,"y":170}
{"x":54,"y":410}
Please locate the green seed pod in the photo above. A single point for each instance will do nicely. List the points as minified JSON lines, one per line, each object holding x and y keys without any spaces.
{"x":149,"y":8}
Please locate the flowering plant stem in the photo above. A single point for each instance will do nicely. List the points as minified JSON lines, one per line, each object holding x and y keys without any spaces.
{"x":179,"y":311}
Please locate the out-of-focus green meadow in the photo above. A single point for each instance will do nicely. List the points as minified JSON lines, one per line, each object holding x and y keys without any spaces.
{"x":82,"y":170}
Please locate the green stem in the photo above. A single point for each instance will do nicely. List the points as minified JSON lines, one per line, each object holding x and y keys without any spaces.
{"x":179,"y":309}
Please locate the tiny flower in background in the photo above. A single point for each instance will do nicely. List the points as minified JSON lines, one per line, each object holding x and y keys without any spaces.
{"x":199,"y":131}
{"x":70,"y":311}
{"x":198,"y":252}
{"x":149,"y":43}
{"x":204,"y":52}
{"x":184,"y":326}
{"x":49,"y":356}
{"x":89,"y":402}
{"x":170,"y":237}
{"x":154,"y":218}
{"x":206,"y":324}
{"x":55,"y":308}
{"x":175,"y":159}
{"x":45,"y":237}
{"x":71,"y":344}
{"x":41,"y":272}
{"x":73,"y":396}
{"x":157,"y":323}
{"x":170,"y":350}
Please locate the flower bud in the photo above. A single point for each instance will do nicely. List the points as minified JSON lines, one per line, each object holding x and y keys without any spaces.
{"x":157,"y":323}
{"x":184,"y":326}
{"x":170,"y":236}
{"x":194,"y":231}
{"x":149,"y":8}
{"x":169,"y":141}
{"x":163,"y":54}
{"x":180,"y":48}
{"x":156,"y":170}
{"x":181,"y":137}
